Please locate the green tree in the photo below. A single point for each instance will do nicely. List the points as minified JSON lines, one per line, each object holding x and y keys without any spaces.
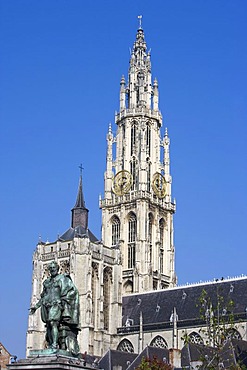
{"x":218,"y":317}
{"x":217,"y":314}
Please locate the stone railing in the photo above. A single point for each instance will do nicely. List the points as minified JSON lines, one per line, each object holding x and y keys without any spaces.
{"x":138,"y":111}
{"x":136,"y":195}
{"x":64,"y":253}
{"x":96,"y":255}
{"x":48,"y":256}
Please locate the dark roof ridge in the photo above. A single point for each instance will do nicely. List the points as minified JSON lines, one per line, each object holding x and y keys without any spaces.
{"x":190,"y":285}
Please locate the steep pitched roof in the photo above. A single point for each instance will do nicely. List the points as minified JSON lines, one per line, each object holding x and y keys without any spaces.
{"x":157,"y":306}
{"x":114,"y":358}
{"x":161,"y":354}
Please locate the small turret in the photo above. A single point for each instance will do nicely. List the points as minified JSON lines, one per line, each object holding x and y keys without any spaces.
{"x":155,"y":95}
{"x":122,"y":93}
{"x":79,"y":212}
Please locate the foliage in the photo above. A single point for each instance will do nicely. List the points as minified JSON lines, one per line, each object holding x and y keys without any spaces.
{"x":219,"y":325}
{"x":153,"y":364}
{"x":219,"y":318}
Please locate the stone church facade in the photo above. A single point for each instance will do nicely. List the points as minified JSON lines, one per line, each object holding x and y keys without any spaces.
{"x":127,"y":280}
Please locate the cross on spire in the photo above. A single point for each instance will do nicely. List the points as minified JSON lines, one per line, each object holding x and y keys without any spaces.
{"x":81,"y":168}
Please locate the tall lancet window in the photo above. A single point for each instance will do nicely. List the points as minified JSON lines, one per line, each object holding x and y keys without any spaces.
{"x":115,"y":230}
{"x":95,"y":278}
{"x":148,"y":176}
{"x":161,"y":260}
{"x":133,"y":173}
{"x":107,"y":279}
{"x":131,"y":240}
{"x":133,"y":138}
{"x":162,"y":229}
{"x":148,"y":140}
{"x":162,"y":235}
{"x":150,"y":238}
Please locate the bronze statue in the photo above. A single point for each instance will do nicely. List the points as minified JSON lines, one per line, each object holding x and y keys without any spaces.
{"x":59,"y":303}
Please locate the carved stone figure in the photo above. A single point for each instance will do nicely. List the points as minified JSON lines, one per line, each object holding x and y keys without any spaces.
{"x":59,"y":303}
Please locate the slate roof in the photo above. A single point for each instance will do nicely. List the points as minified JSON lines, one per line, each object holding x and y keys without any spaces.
{"x":234,"y":352}
{"x":157,"y":306}
{"x":114,"y":358}
{"x":78,"y":231}
{"x":195,"y":352}
{"x":161,"y":354}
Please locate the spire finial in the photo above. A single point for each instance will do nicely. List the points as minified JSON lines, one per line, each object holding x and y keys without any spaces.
{"x":140,"y":21}
{"x":81,"y":168}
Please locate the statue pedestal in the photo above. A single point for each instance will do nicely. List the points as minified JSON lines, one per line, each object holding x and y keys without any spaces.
{"x":50,"y":359}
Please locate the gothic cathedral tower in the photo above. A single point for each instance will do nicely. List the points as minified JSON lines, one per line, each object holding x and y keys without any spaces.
{"x":137,"y":208}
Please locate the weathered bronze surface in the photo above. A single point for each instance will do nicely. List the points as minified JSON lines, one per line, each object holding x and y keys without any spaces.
{"x":59,"y":304}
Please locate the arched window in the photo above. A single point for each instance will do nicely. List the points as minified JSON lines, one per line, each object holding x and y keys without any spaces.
{"x":131,"y":240}
{"x":233,"y":334}
{"x":133,"y":138}
{"x":158,"y":342}
{"x":115,"y":230}
{"x":161,"y":230}
{"x":128,"y":287}
{"x":132,"y":228}
{"x":194,"y":337}
{"x":107,"y":279}
{"x":125,"y":346}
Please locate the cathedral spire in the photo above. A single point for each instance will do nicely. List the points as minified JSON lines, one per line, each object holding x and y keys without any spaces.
{"x":80,"y":212}
{"x":139,"y":89}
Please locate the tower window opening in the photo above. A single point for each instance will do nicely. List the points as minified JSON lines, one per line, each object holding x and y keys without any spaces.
{"x":115,"y":231}
{"x":161,"y":261}
{"x":131,"y":255}
{"x":132,"y":228}
{"x":94,"y":291}
{"x":131,"y":241}
{"x":150,"y":232}
{"x":150,"y":253}
{"x":133,"y":173}
{"x":148,"y":140}
{"x":148,"y":176}
{"x":150,"y":227}
{"x":161,"y":229}
{"x":106,"y":292}
{"x":133,"y":139}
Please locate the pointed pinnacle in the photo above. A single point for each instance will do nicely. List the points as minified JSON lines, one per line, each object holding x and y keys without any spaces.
{"x":109,"y":129}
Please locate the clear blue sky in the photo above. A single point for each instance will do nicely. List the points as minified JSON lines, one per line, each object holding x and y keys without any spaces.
{"x":60,"y":67}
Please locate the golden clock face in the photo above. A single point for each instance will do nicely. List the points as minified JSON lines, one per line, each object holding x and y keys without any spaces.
{"x":159,"y":185}
{"x":122,"y":182}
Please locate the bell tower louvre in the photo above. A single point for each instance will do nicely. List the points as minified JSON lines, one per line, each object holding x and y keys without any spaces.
{"x":137,"y":208}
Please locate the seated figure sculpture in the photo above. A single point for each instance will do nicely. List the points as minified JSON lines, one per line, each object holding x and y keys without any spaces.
{"x":59,"y":303}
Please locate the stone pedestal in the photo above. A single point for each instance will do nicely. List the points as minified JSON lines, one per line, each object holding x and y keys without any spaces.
{"x":50,"y":360}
